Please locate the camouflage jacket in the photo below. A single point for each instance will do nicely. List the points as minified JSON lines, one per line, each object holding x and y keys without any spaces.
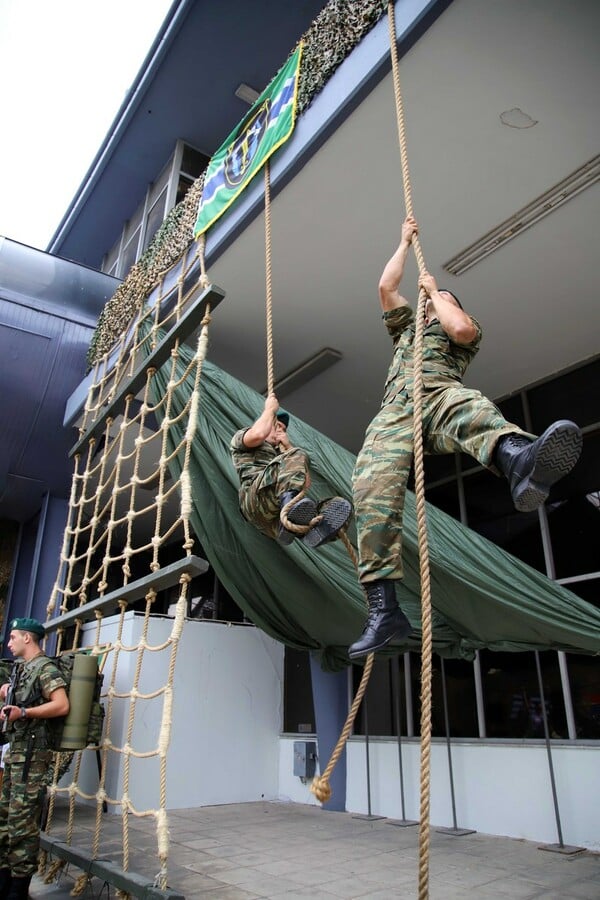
{"x":251,"y":462}
{"x":443,"y":360}
{"x":38,"y":678}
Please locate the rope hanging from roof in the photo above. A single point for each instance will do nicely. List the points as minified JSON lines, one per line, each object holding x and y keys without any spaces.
{"x":426,"y":616}
{"x":320,"y":785}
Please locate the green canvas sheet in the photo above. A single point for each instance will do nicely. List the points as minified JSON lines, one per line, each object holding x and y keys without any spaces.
{"x":310,"y":599}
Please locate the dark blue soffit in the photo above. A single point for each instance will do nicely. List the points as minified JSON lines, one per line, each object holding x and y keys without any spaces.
{"x":186,"y":89}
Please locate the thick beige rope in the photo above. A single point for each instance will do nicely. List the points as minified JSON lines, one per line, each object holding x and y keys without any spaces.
{"x":426,"y":620}
{"x":290,"y":526}
{"x":269,"y":280}
{"x":320,"y":786}
{"x":104,"y":505}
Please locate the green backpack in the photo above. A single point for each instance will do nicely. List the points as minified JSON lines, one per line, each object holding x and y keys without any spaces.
{"x":83,"y":725}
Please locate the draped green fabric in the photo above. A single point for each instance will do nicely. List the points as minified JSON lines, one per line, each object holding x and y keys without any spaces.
{"x":310,"y":599}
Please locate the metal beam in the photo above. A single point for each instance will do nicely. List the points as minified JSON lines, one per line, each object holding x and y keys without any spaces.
{"x":163,"y":578}
{"x":107,"y":871}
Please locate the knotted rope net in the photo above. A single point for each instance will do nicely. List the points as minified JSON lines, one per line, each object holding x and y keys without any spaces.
{"x":129,"y":516}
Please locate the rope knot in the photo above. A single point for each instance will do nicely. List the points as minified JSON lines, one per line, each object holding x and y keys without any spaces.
{"x":321,"y":788}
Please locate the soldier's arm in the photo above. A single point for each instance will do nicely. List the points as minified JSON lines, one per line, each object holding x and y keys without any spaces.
{"x":263,"y":426}
{"x":56,"y":705}
{"x":391,"y":276}
{"x":457,"y":324}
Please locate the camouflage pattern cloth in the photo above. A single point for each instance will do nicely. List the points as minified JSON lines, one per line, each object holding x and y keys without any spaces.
{"x":265,"y":474}
{"x":22,"y":798}
{"x":455,"y":418}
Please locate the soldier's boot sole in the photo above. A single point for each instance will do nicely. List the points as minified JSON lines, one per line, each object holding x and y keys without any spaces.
{"x":556,"y":452}
{"x":336,"y":513}
{"x":301,"y":513}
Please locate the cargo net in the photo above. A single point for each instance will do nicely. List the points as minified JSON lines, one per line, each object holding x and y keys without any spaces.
{"x":129,"y":516}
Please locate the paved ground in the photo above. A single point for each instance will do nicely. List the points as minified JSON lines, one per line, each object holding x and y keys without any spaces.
{"x":287,"y":851}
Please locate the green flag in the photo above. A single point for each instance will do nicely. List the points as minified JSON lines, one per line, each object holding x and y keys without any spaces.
{"x":268,"y":124}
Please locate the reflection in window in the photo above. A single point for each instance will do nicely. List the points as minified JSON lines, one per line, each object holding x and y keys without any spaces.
{"x":584,"y":677}
{"x":512,"y":697}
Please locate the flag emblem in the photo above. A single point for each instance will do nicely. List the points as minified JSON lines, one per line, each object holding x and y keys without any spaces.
{"x":240,"y":155}
{"x":265,"y":128}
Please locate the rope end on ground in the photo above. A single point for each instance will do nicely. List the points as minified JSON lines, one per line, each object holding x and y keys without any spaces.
{"x":321,"y":788}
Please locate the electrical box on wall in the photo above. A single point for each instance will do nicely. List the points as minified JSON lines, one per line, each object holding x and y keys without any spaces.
{"x":305,"y":758}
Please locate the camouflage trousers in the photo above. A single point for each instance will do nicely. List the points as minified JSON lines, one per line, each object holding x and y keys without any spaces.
{"x":20,"y":809}
{"x":260,"y":500}
{"x":455,"y":418}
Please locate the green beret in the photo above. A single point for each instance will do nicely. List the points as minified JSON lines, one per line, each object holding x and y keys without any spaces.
{"x":31,"y":625}
{"x":284,"y":417}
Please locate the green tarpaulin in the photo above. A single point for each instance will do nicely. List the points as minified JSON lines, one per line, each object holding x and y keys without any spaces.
{"x":310,"y":599}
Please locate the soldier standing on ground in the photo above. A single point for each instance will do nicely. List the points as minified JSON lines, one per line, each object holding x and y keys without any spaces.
{"x":38,"y":693}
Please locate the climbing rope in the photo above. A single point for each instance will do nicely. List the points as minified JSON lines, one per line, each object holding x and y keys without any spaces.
{"x":283,"y":515}
{"x":426,"y":620}
{"x":320,"y":786}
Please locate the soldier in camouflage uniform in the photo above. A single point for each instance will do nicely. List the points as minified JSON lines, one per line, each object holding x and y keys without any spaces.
{"x":29,"y":759}
{"x":455,"y":419}
{"x":272,"y":473}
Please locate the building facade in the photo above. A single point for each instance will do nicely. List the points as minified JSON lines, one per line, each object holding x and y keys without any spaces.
{"x":489,"y":152}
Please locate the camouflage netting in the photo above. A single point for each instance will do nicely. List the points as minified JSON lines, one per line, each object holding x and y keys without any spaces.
{"x":338,"y":28}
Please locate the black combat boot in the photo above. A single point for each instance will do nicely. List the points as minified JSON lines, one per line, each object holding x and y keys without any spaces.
{"x":300,"y":513}
{"x":533,"y":466}
{"x":19,"y":887}
{"x":384,"y":621}
{"x":4,"y":883}
{"x":336,"y":511}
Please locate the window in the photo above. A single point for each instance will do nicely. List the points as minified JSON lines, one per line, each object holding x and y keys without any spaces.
{"x":167,"y":191}
{"x":512,"y":696}
{"x":298,"y":710}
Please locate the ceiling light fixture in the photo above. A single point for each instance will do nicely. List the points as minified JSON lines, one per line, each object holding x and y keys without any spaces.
{"x":246,"y":93}
{"x":306,"y":371}
{"x":573,"y":184}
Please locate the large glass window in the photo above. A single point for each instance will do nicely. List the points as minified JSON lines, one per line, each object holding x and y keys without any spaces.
{"x":572,"y":395}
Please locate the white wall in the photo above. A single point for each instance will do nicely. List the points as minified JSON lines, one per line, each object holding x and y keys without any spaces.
{"x":226,"y":747}
{"x":227,"y":715}
{"x":500,"y":788}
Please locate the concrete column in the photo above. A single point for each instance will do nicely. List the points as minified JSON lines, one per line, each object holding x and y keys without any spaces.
{"x":330,"y":700}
